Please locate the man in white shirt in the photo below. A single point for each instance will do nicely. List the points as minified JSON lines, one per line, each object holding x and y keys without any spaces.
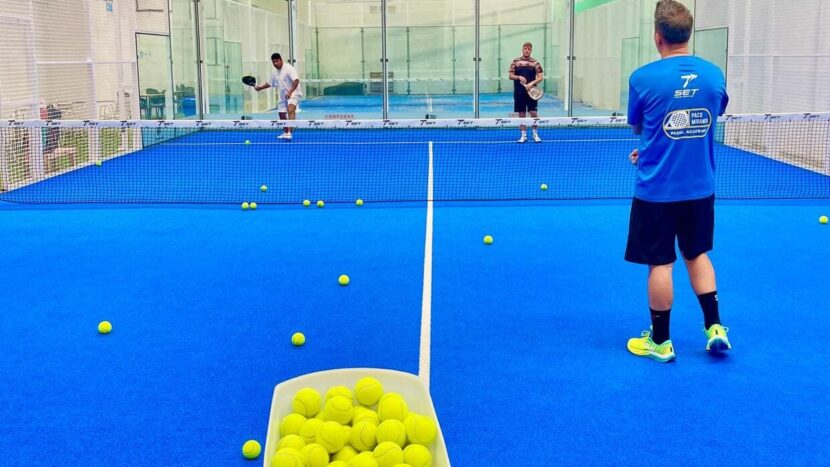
{"x":285,"y":79}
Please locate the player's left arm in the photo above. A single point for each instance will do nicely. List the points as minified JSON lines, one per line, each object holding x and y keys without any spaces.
{"x":540,"y":75}
{"x":294,"y":84}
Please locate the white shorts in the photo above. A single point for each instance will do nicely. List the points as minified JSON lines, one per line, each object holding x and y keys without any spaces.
{"x":282,"y":105}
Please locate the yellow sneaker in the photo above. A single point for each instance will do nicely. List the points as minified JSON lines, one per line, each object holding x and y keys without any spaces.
{"x":645,"y":347}
{"x":716,"y":338}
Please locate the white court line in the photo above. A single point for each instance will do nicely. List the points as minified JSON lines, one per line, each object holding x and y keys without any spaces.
{"x":341,"y":143}
{"x":426,"y":302}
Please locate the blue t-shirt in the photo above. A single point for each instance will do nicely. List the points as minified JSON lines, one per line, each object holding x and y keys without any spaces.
{"x":677,"y":100}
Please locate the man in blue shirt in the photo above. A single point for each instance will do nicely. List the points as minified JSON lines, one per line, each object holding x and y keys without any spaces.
{"x":673,"y":105}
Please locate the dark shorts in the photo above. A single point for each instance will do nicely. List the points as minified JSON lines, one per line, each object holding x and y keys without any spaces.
{"x":523,"y":103}
{"x":653,"y":227}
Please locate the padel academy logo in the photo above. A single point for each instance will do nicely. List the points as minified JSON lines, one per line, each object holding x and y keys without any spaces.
{"x":686,"y":92}
{"x":688,"y":123}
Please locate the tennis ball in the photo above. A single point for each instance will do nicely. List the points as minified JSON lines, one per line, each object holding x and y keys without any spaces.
{"x":420,"y":429}
{"x":104,"y":327}
{"x":346,"y":453}
{"x":417,"y":455}
{"x":338,"y":409}
{"x":306,"y":402}
{"x":363,"y":414}
{"x":291,"y":423}
{"x":287,"y":457}
{"x":331,"y":436}
{"x":247,"y":141}
{"x":252,"y":205}
{"x":310,"y":428}
{"x":251,"y":449}
{"x":388,"y":454}
{"x":98,"y":163}
{"x":298,"y":339}
{"x":364,"y":436}
{"x":822,"y":220}
{"x":339,"y":391}
{"x":544,"y":186}
{"x":392,"y":430}
{"x":291,"y":441}
{"x":263,"y":188}
{"x":368,"y":391}
{"x":306,"y":203}
{"x":319,"y":416}
{"x":488,"y":240}
{"x":320,"y":204}
{"x":359,"y":202}
{"x":343,"y":279}
{"x":315,"y":455}
{"x":392,"y":406}
{"x":364,"y":459}
{"x":339,"y":464}
{"x":244,"y":206}
{"x":403,"y":465}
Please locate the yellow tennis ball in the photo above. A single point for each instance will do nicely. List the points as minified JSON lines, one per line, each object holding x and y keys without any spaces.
{"x":331,"y":436}
{"x":420,"y":429}
{"x":310,"y":429}
{"x":364,"y":459}
{"x":306,"y":203}
{"x":291,"y":423}
{"x":338,"y":464}
{"x":306,"y":402}
{"x":544,"y":186}
{"x":343,"y":279}
{"x":488,"y":239}
{"x":338,"y":409}
{"x":247,"y":141}
{"x":368,"y":391}
{"x":298,"y":339}
{"x":417,"y":455}
{"x":245,"y":206}
{"x":263,"y":188}
{"x":287,"y":457}
{"x":291,"y":441}
{"x":320,"y":204}
{"x":363,"y":414}
{"x":822,"y":220}
{"x":104,"y":327}
{"x":251,"y":449}
{"x":346,"y":453}
{"x":364,"y":436}
{"x":403,"y":465}
{"x":392,"y":430}
{"x":320,"y":416}
{"x":388,"y":454}
{"x":359,"y":202}
{"x":252,"y":206}
{"x":339,"y":391}
{"x":315,"y":455}
{"x":98,"y":163}
{"x":392,"y":406}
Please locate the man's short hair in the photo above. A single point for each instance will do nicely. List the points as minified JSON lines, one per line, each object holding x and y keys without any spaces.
{"x":527,"y":44}
{"x":673,"y":21}
{"x":276,"y":56}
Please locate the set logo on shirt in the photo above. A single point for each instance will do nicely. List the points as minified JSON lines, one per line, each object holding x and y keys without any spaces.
{"x":686,"y":92}
{"x":687,"y":123}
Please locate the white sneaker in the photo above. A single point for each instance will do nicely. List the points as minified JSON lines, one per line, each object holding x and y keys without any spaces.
{"x":288,"y":136}
{"x":284,"y":136}
{"x":523,"y":139}
{"x":536,"y":138}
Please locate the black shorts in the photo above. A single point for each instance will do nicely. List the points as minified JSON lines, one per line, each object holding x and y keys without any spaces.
{"x":523,"y":103}
{"x":653,"y":227}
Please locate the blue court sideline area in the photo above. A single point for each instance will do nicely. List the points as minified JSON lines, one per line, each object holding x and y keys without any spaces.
{"x":528,"y":359}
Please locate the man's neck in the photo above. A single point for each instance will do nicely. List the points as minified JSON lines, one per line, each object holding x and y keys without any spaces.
{"x":675,"y":51}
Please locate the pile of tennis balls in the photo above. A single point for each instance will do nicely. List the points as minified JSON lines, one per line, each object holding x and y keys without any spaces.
{"x":364,"y":427}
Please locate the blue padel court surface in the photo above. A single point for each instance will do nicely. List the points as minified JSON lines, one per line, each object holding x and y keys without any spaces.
{"x":528,"y":358}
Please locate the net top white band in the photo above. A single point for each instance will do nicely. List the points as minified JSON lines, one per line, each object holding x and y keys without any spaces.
{"x":450,"y":123}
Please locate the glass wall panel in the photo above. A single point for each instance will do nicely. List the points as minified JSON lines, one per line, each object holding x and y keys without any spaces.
{"x":155,"y":77}
{"x":185,"y":61}
{"x":612,"y":38}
